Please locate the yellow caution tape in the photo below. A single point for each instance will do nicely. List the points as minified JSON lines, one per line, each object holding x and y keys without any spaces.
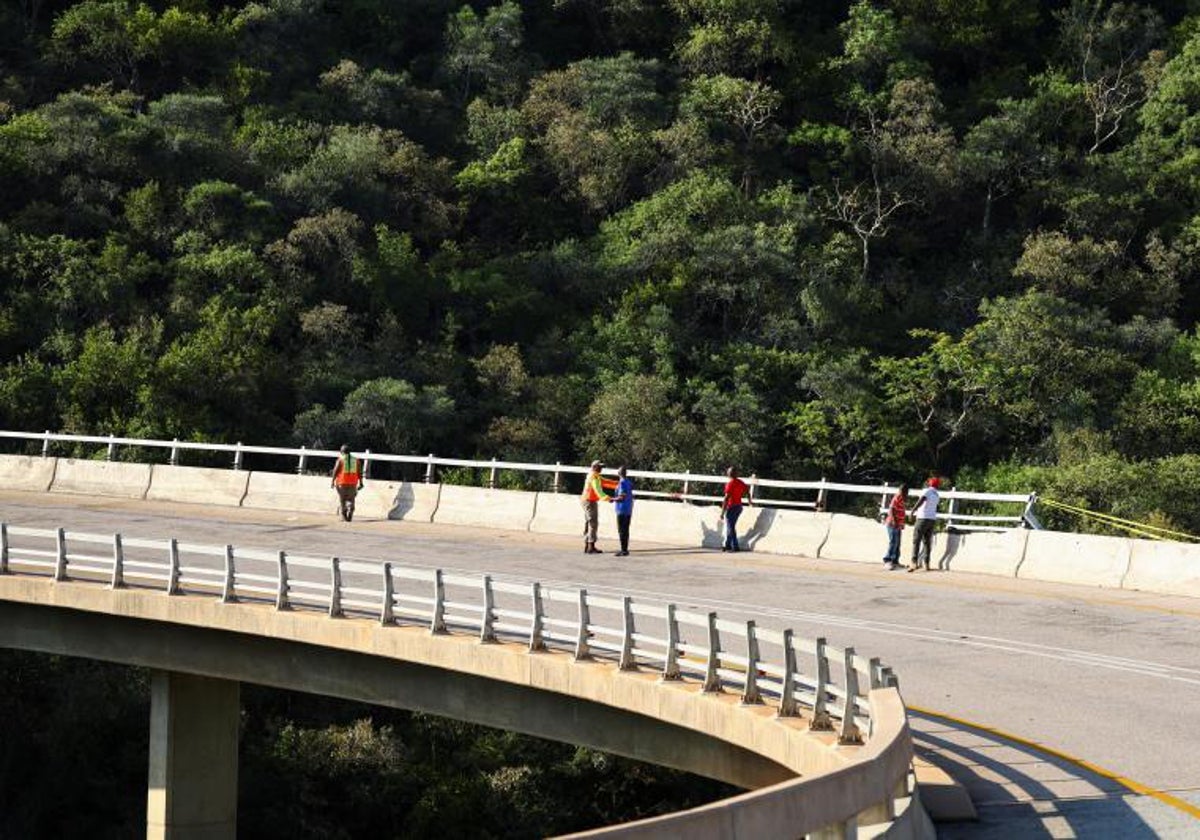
{"x":1154,"y":532}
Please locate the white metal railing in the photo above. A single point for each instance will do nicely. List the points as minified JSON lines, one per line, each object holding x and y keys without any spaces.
{"x":722,"y":655}
{"x":954,"y":518}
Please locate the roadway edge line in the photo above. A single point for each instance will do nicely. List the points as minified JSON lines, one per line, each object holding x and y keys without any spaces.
{"x":1129,"y":784}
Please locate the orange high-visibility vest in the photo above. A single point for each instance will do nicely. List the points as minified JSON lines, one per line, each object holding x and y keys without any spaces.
{"x":347,"y":471}
{"x":593,"y":488}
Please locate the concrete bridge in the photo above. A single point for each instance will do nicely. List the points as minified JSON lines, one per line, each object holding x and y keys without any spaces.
{"x":997,"y":678}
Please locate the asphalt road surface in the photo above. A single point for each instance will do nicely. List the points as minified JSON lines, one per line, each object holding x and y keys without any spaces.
{"x":1066,"y":711}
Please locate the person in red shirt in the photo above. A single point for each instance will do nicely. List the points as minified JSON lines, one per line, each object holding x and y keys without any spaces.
{"x":731,"y":508}
{"x":894,"y":520}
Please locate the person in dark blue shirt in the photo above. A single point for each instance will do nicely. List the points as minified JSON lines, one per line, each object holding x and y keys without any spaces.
{"x":623,"y":504}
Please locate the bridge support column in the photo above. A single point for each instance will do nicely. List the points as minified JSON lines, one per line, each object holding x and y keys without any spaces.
{"x":193,"y":758}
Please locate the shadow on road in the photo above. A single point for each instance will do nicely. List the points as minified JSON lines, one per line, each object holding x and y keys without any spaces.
{"x":1022,"y":791}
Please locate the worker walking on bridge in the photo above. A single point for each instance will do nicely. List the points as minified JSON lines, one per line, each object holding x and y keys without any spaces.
{"x":347,"y":480}
{"x":926,"y":515}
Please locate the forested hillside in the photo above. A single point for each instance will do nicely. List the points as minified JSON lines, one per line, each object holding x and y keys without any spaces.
{"x":811,"y":238}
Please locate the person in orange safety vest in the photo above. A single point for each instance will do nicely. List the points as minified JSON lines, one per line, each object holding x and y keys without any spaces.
{"x":348,"y":480}
{"x":595,"y":488}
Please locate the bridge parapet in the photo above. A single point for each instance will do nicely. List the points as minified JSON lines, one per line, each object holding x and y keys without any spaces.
{"x":826,"y":714}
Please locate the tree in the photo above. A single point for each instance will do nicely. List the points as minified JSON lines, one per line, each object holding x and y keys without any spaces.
{"x":487,"y":52}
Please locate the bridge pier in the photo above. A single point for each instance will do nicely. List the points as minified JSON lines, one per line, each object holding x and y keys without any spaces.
{"x":193,"y":758}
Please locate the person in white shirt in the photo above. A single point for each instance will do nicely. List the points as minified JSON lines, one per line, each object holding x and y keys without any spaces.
{"x":926,"y":516}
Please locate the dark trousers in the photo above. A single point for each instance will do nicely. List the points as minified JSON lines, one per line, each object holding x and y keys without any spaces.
{"x":731,"y":518}
{"x":923,"y":536}
{"x":623,"y":529}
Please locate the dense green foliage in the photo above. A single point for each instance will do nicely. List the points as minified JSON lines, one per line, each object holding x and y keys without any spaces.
{"x":74,"y":739}
{"x":855,"y":240}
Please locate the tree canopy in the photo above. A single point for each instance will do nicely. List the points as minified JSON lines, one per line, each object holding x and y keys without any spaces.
{"x":857,"y":240}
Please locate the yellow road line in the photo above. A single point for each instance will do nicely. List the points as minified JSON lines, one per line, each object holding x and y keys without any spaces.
{"x":1137,"y":787}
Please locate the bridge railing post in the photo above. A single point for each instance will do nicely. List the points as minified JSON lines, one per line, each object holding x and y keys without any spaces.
{"x":302,"y":462}
{"x":430,"y":474}
{"x":46,"y":444}
{"x":386,"y":614}
{"x":437,"y":622}
{"x":487,"y":632}
{"x":625,"y":663}
{"x":787,"y":697}
{"x":822,"y":497}
{"x":118,"y":572}
{"x":60,"y":559}
{"x":849,"y":733}
{"x":237,"y":456}
{"x":335,"y":587}
{"x":111,"y":454}
{"x":712,"y":679}
{"x":751,"y":694}
{"x":228,"y":590}
{"x":172,"y":566}
{"x":557,"y":486}
{"x":820,"y":715}
{"x":174,"y":459}
{"x":366,"y":466}
{"x":3,"y":548}
{"x":281,"y":580}
{"x":536,"y":642}
{"x":492,"y":475}
{"x":671,"y":666}
{"x":582,"y":651}
{"x":953,"y":512}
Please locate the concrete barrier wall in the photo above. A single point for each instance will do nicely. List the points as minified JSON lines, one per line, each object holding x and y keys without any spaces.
{"x":981,"y":552}
{"x":101,"y":478}
{"x":198,"y":485}
{"x":1081,"y":559}
{"x":508,"y":510}
{"x":301,"y":493}
{"x":857,"y":539}
{"x":779,"y":531}
{"x":1170,"y":568}
{"x":397,"y":500}
{"x":26,"y":474}
{"x":562,"y":513}
{"x":677,"y":524}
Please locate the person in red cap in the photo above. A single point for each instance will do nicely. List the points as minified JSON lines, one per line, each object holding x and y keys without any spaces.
{"x":926,"y":515}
